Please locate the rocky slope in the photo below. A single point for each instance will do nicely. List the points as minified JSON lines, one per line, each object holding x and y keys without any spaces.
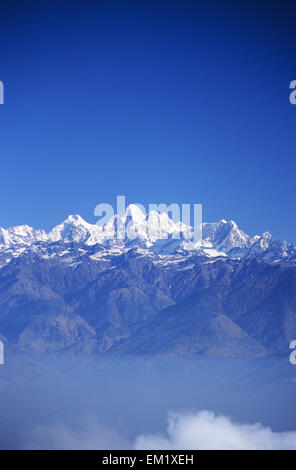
{"x":77,"y":290}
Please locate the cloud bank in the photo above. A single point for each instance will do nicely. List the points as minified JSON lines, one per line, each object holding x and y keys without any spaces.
{"x":203,"y":430}
{"x":207,"y":431}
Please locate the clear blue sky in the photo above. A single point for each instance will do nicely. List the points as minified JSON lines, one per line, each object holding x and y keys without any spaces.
{"x":161,"y":101}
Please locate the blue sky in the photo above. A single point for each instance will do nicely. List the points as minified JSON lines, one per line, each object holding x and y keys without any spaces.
{"x":161,"y":101}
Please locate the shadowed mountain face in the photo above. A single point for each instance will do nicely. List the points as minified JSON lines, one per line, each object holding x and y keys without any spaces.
{"x":76,"y":289}
{"x":74,"y":297}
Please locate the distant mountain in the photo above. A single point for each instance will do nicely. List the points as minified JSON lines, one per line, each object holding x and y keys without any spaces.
{"x":75,"y":289}
{"x":155,"y":232}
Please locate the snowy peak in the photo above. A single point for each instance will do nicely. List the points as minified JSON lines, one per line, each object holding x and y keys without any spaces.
{"x":224,"y":236}
{"x":228,"y":236}
{"x":129,"y":222}
{"x":20,"y":235}
{"x":134,"y":224}
{"x":135,"y":213}
{"x":76,"y":219}
{"x":154,"y":231}
{"x":76,"y":230}
{"x":161,"y":227}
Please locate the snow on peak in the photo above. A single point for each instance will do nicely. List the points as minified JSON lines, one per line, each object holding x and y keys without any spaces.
{"x":225,"y":236}
{"x":20,"y":235}
{"x":154,"y":231}
{"x":135,"y":212}
{"x":76,"y":229}
{"x":147,"y":228}
{"x":133,"y":225}
{"x":76,"y":219}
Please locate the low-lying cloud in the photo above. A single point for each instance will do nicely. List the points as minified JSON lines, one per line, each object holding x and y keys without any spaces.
{"x":202,"y":430}
{"x":207,"y":431}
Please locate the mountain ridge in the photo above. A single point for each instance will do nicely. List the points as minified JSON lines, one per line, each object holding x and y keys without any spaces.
{"x":230,"y":295}
{"x":155,"y":232}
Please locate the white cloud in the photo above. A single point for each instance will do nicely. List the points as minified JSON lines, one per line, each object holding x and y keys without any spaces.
{"x":202,"y":430}
{"x":205,"y":430}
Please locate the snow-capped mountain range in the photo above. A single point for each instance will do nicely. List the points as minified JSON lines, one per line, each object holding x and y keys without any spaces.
{"x":75,"y":289}
{"x":155,"y":233}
